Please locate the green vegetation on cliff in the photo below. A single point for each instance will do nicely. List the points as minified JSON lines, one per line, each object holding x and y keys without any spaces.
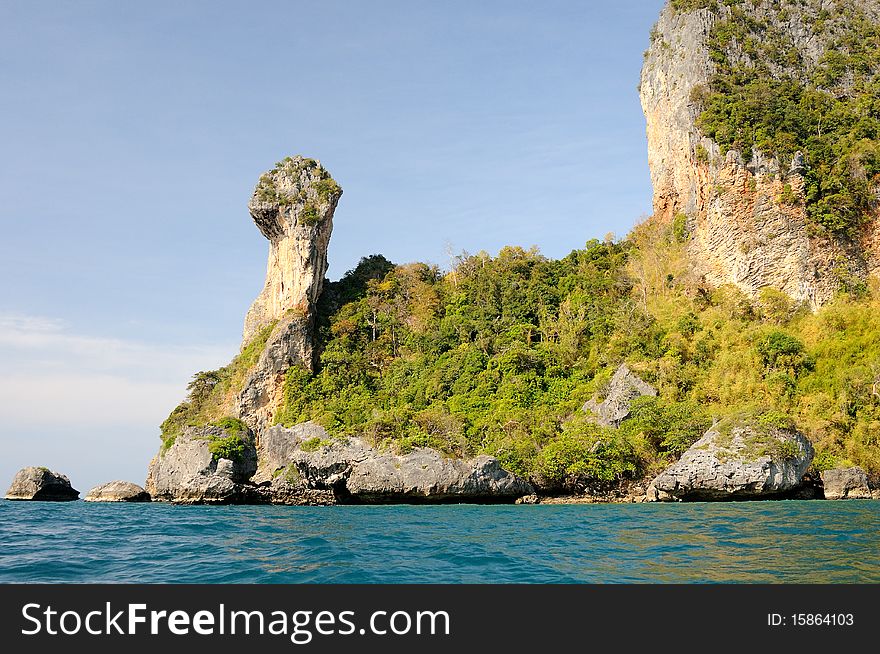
{"x":764,"y":95}
{"x":292,"y":167}
{"x":232,"y":446}
{"x":210,"y":393}
{"x":498,"y":356}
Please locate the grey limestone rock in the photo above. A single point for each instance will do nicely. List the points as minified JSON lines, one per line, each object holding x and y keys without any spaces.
{"x":623,"y":389}
{"x":289,"y":344}
{"x":288,"y":488}
{"x":41,"y":484}
{"x":737,"y":462}
{"x":277,"y":446}
{"x":426,"y":475}
{"x":187,"y":472}
{"x":117,"y":491}
{"x":356,"y":472}
{"x":846,"y":483}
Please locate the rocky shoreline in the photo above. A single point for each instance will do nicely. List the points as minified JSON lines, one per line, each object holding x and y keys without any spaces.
{"x":349,"y":471}
{"x":757,"y":456}
{"x":635,"y":494}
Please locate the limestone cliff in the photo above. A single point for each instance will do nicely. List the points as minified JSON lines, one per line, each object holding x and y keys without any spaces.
{"x":293,"y":207}
{"x":223,"y":444}
{"x":747,"y":212}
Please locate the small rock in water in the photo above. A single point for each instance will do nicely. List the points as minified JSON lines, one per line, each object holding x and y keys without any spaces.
{"x":41,"y":484}
{"x":117,"y":491}
{"x":737,"y":461}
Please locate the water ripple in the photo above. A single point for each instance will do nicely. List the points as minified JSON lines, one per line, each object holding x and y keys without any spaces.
{"x":775,"y":542}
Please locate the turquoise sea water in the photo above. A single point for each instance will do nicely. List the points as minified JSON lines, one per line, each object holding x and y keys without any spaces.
{"x":810,"y":542}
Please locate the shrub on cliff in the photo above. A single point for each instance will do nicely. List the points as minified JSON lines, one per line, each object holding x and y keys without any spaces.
{"x":498,"y":355}
{"x":210,"y":393}
{"x":762,"y":95}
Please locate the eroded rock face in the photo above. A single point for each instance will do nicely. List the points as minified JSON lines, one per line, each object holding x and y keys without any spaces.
{"x":288,"y":344}
{"x":356,"y":472}
{"x":290,"y":491}
{"x":676,"y":62}
{"x":318,"y":466}
{"x":746,"y":237}
{"x":188,"y":473}
{"x":293,"y":207}
{"x":623,"y":389}
{"x":41,"y":484}
{"x":278,"y":445}
{"x":846,"y":483}
{"x":117,"y":491}
{"x":739,"y":462}
{"x":426,"y":475}
{"x":741,"y":232}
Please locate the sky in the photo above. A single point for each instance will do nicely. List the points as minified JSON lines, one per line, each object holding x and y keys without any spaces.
{"x":132,"y":135}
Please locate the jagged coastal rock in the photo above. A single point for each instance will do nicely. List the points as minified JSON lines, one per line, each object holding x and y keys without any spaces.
{"x":287,"y":344}
{"x":356,"y":472}
{"x":740,"y":230}
{"x":737,"y":461}
{"x":623,"y":389}
{"x":302,"y":465}
{"x":242,"y":456}
{"x":41,"y":484}
{"x":846,"y":483}
{"x":117,"y":491}
{"x":189,"y":472}
{"x":426,"y":475}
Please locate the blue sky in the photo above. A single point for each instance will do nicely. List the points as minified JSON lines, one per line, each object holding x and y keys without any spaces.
{"x":133,"y":133}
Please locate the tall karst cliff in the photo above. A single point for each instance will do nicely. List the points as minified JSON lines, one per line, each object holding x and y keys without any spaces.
{"x":763,"y":125}
{"x":213,"y":440}
{"x":225,"y":442}
{"x":293,"y":206}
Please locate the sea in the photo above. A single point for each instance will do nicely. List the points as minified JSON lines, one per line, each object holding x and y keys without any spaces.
{"x":749,"y":542}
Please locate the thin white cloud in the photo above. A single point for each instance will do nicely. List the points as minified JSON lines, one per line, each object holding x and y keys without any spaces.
{"x":51,"y":376}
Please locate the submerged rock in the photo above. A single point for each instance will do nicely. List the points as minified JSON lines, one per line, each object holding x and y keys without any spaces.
{"x":623,"y":389}
{"x":736,"y":461}
{"x":846,"y":483}
{"x":41,"y":484}
{"x":117,"y":491}
{"x":188,"y":472}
